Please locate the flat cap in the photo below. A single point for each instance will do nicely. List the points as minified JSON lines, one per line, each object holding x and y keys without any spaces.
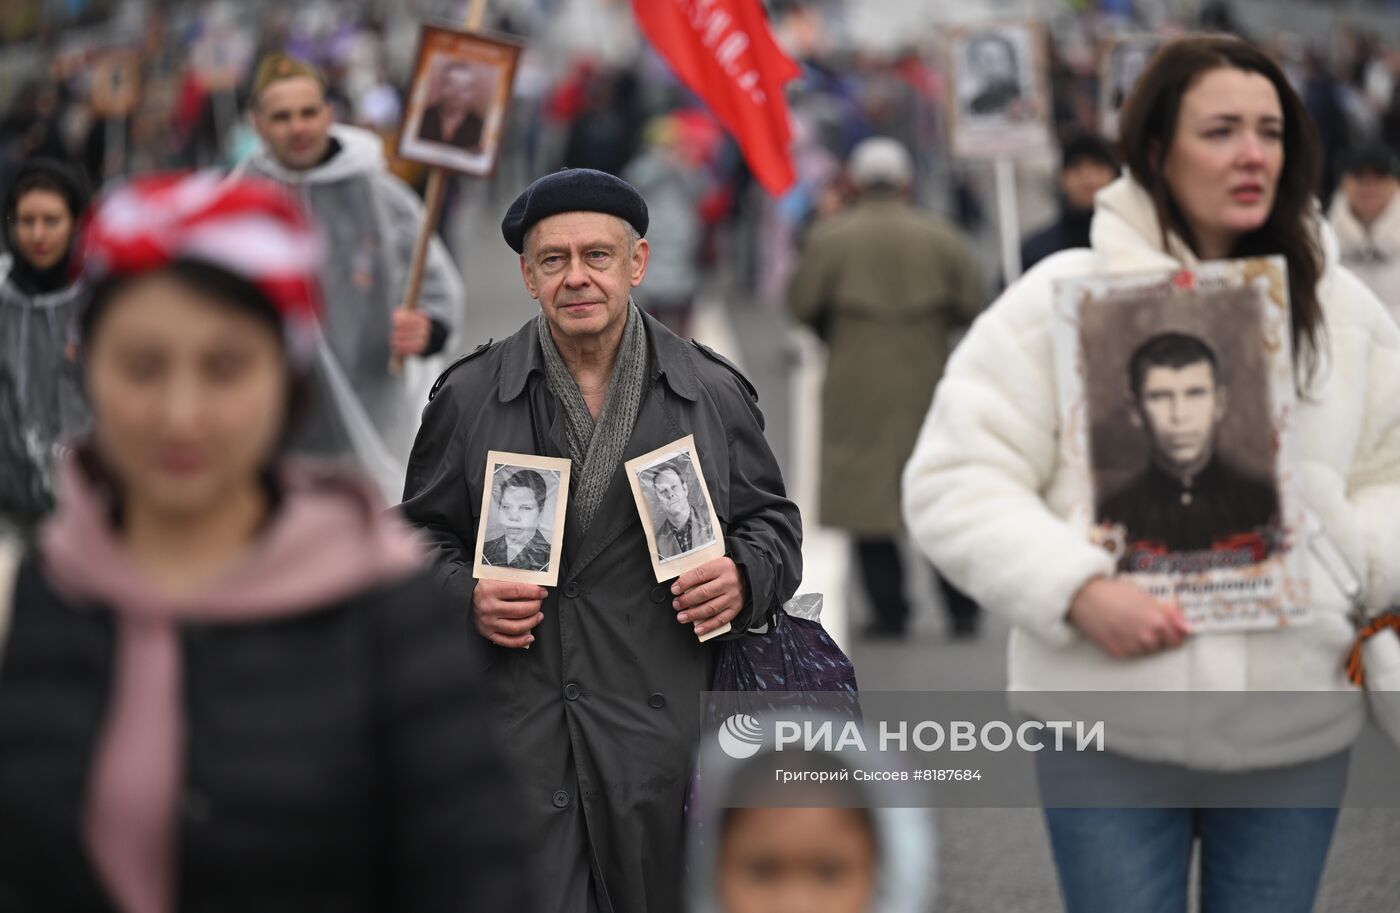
{"x":573,"y":190}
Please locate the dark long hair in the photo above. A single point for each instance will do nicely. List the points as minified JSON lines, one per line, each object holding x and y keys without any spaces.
{"x":1147,"y":125}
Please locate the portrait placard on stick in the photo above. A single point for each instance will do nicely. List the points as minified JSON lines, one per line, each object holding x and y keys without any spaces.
{"x":999,"y":100}
{"x":458,"y":100}
{"x":521,"y":532}
{"x":116,"y":84}
{"x":1177,"y":402}
{"x":1124,"y":58}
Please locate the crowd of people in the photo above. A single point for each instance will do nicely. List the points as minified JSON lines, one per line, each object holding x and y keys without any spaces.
{"x":232,"y":676}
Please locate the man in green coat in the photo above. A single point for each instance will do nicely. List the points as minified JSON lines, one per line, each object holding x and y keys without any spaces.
{"x":885,"y":285}
{"x":603,"y":713}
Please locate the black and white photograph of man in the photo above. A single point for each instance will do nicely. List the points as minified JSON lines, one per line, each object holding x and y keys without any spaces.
{"x":458,"y":100}
{"x":1121,"y":66}
{"x":458,"y":115}
{"x":518,"y":530}
{"x":1127,"y":60}
{"x":681,"y":520}
{"x":998,"y":90}
{"x":1189,"y":497}
{"x":994,"y":71}
{"x":520,"y":527}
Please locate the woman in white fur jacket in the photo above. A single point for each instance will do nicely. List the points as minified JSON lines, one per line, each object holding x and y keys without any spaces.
{"x":1222,"y":162}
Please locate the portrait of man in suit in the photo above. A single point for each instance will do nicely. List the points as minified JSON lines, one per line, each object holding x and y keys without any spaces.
{"x":517,"y":511}
{"x":458,"y":116}
{"x":993,"y":65}
{"x":458,"y":101}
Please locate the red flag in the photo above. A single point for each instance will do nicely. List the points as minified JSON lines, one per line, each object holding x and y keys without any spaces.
{"x":722,"y":50}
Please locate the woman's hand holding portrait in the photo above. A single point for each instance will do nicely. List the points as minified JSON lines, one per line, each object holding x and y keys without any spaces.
{"x":1125,"y":621}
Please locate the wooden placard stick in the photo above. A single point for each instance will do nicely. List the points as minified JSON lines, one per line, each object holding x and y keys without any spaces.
{"x":433,"y":199}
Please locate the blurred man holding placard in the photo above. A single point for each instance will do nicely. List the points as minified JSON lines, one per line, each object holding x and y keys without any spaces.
{"x":369,"y":220}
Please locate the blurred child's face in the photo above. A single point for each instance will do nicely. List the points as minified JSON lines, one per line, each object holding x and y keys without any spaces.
{"x":797,"y":860}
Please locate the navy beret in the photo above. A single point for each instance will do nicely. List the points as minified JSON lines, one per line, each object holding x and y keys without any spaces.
{"x":573,"y":190}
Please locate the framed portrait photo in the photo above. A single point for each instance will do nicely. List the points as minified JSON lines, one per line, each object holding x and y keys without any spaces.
{"x":999,"y":102}
{"x":682,"y":529}
{"x":458,"y":100}
{"x":1177,"y":400}
{"x":223,"y":56}
{"x":116,"y":84}
{"x":520,"y":536}
{"x":1123,"y":60}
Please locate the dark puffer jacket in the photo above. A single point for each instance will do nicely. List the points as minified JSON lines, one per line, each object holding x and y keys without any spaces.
{"x":339,"y":760}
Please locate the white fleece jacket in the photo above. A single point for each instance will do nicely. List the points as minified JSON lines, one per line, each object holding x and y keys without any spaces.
{"x":985,"y":497}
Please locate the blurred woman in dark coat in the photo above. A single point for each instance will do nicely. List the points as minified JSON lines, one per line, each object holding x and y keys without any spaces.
{"x":41,"y":400}
{"x":227,"y":683}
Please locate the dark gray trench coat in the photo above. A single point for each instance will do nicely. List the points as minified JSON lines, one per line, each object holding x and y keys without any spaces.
{"x":603,"y":713}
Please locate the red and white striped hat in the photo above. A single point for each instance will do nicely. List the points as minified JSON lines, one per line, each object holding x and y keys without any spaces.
{"x":250,"y":228}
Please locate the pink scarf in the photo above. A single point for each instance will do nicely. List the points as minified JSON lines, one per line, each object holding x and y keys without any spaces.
{"x":329,"y":540}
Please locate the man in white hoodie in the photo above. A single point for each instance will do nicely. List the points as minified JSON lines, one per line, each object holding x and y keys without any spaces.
{"x":1365,"y":215}
{"x":369,"y":220}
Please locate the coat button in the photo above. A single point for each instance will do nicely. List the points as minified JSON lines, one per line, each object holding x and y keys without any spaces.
{"x":560,"y":799}
{"x":571,"y":691}
{"x":571,"y":590}
{"x":660,"y":594}
{"x":657,"y":700}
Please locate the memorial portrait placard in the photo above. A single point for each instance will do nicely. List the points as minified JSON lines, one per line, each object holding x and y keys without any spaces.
{"x":520,"y":536}
{"x":682,"y":529}
{"x":1176,"y":401}
{"x":1122,"y":62}
{"x":457,"y":103}
{"x":999,"y":100}
{"x":115,"y":87}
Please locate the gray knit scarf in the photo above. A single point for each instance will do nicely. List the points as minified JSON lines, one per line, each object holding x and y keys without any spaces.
{"x":596,"y":448}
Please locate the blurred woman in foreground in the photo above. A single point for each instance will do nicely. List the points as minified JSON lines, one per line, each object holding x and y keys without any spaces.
{"x":228,"y":684}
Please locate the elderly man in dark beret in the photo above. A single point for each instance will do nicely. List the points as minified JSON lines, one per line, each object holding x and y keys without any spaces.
{"x":603,"y":710}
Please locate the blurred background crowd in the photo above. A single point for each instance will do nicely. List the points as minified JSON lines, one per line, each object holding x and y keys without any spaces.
{"x":591,"y":93}
{"x":117,"y":88}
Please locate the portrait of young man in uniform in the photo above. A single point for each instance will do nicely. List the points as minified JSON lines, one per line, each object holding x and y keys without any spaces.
{"x":1189,"y":497}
